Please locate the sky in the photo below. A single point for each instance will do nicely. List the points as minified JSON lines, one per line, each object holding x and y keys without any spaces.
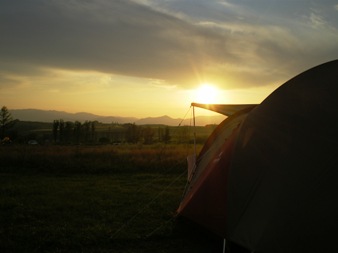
{"x":148,"y":58}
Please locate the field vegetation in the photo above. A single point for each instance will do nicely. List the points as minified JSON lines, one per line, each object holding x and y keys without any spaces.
{"x":93,"y":133}
{"x":96,"y":198}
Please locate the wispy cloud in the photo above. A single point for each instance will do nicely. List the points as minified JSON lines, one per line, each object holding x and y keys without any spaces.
{"x":250,"y":43}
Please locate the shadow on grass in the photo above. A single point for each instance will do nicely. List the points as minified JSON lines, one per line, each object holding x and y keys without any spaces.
{"x":184,"y":237}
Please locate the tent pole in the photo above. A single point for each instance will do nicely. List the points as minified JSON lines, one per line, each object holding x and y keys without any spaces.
{"x":224,"y":244}
{"x":193,"y":115}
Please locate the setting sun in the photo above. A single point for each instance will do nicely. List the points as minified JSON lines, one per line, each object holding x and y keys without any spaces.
{"x":206,"y":94}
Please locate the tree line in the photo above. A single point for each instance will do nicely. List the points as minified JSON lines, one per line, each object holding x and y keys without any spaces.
{"x":87,"y":132}
{"x":67,"y":132}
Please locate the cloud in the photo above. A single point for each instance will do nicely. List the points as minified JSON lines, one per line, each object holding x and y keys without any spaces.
{"x":179,"y":42}
{"x":116,"y":37}
{"x":7,"y":82}
{"x":317,"y":20}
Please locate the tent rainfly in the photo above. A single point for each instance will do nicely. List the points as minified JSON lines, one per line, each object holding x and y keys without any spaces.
{"x":267,"y":177}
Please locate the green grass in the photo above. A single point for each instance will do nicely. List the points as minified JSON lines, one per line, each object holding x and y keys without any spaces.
{"x":51,"y":210}
{"x":93,"y":159}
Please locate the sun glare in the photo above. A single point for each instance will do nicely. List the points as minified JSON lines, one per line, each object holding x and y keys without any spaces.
{"x":206,"y":94}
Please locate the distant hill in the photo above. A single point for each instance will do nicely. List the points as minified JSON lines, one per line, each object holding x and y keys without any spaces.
{"x":49,"y":116}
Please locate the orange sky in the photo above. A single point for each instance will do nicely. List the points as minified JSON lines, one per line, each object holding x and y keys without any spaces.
{"x":143,"y":58}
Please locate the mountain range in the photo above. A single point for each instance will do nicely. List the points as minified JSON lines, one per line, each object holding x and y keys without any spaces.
{"x":37,"y":115}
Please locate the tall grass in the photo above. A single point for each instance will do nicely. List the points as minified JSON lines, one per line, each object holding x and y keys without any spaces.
{"x":93,"y":159}
{"x":95,"y":199}
{"x":45,"y":213}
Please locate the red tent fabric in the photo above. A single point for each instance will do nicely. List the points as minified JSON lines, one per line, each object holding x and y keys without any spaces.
{"x":274,"y":183}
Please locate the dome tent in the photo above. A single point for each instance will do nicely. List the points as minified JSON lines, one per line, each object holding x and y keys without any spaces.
{"x":271,"y":183}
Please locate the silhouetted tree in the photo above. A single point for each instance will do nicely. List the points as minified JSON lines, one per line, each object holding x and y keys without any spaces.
{"x":68,"y":131}
{"x":117,"y":133}
{"x":61,"y":130}
{"x":166,"y":136}
{"x":77,"y":131}
{"x":6,"y":121}
{"x":93,"y":129}
{"x":132,"y":133}
{"x":148,"y":135}
{"x":56,"y":124}
{"x":160,"y":134}
{"x":86,"y":130}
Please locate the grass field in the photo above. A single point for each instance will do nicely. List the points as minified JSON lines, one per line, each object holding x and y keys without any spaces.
{"x":46,"y":208}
